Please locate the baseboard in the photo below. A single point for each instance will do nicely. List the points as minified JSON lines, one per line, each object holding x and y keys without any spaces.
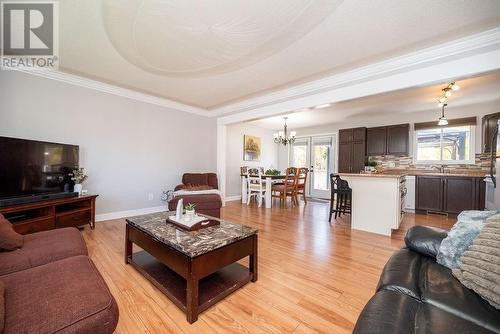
{"x":233,"y":198}
{"x":129,"y":213}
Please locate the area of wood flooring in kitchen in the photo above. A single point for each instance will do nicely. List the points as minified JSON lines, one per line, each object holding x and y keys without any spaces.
{"x":314,"y":277}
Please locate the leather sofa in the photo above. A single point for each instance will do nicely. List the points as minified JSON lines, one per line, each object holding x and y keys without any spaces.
{"x":208,"y":204}
{"x":50,"y":285}
{"x":417,"y":295}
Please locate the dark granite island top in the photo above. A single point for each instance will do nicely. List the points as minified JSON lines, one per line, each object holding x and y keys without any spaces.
{"x":191,"y":244}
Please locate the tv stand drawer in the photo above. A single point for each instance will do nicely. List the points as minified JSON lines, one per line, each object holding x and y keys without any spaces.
{"x":73,"y":219}
{"x":32,"y":226}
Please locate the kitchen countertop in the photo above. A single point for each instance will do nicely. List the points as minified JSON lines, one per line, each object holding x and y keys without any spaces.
{"x":399,"y":173}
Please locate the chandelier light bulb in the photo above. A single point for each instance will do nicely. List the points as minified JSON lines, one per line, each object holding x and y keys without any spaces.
{"x":440,"y":104}
{"x":448,"y":93}
{"x":442,"y":99}
{"x":293,"y":133}
{"x":455,"y":87}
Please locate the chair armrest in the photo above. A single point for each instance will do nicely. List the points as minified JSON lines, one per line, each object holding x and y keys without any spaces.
{"x":425,"y":240}
{"x":180,"y":187}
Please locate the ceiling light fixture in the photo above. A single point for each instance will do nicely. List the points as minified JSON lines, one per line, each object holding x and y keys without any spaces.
{"x":443,"y":120}
{"x":281,"y":137}
{"x":447,"y":92}
{"x":321,"y":106}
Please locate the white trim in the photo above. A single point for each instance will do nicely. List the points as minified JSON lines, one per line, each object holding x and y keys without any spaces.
{"x":129,"y":213}
{"x":441,"y":52}
{"x":233,"y":198}
{"x":116,"y":90}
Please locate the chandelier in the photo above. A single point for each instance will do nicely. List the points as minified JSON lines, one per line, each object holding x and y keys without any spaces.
{"x":281,"y":137}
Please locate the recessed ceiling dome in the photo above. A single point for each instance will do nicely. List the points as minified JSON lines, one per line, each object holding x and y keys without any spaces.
{"x":193,"y":37}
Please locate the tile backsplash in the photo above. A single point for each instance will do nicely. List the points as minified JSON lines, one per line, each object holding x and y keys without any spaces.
{"x":482,"y":163}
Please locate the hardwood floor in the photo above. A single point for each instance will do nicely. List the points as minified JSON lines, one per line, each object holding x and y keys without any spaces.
{"x":314,"y":277}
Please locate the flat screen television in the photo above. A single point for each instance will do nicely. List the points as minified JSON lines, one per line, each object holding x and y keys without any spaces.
{"x":34,"y":170}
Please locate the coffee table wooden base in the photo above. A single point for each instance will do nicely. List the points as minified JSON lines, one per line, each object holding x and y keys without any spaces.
{"x":193,"y":284}
{"x":212,"y":288}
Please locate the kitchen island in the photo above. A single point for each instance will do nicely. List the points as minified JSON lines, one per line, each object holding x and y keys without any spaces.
{"x":377,"y":201}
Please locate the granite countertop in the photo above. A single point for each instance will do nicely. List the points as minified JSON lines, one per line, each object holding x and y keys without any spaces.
{"x":399,"y":173}
{"x":380,"y":175}
{"x":193,"y":243}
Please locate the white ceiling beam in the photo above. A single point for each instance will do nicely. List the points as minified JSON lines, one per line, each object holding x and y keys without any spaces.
{"x":461,"y":58}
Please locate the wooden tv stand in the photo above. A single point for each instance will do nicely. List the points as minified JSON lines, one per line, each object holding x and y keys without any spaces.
{"x":50,"y":214}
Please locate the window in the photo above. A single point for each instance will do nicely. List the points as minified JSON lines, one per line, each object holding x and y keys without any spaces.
{"x":299,"y":154}
{"x":445,"y":145}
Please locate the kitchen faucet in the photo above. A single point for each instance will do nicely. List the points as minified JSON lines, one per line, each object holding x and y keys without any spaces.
{"x":440,"y":168}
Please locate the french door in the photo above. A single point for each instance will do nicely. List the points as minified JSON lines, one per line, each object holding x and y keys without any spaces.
{"x":318,"y":154}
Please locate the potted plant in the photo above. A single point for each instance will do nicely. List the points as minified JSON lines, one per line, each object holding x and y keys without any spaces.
{"x":78,"y":176}
{"x":190,"y":210}
{"x":272,"y":172}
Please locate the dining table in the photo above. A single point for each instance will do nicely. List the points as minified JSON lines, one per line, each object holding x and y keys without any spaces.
{"x":270,"y":179}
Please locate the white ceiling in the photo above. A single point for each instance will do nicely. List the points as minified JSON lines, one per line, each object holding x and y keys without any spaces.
{"x":210,"y":53}
{"x":473,"y":91}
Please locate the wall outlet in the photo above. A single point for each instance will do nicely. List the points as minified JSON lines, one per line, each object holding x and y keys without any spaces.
{"x":150,"y":196}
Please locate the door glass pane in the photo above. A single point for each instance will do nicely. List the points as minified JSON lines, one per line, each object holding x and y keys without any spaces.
{"x":299,"y":155}
{"x":321,"y":166}
{"x":428,"y":144}
{"x":456,"y":143}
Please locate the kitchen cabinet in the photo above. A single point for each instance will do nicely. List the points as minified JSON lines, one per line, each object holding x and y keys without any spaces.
{"x":489,"y":125}
{"x":352,"y":150}
{"x":388,"y":140}
{"x":429,"y":193}
{"x":449,"y":194}
{"x":398,"y":139}
{"x":376,"y":141}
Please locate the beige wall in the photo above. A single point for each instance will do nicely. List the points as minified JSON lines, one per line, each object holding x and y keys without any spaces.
{"x":130,"y":149}
{"x":234,"y":154}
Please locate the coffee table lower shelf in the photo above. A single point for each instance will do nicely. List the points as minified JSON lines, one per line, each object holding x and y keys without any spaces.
{"x":212,"y":288}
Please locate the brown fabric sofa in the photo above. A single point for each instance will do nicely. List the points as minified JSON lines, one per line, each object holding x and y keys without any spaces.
{"x":198,"y":179}
{"x":51,"y":285}
{"x":208,"y":204}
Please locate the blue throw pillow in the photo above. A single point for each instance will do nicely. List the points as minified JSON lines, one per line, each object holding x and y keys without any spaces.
{"x":461,"y":236}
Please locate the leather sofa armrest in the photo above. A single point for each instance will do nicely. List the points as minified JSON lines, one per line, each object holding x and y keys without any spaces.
{"x":425,"y":240}
{"x":180,"y":187}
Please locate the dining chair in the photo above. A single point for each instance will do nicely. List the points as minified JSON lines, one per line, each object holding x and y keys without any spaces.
{"x":255,"y":185}
{"x":341,"y":196}
{"x":300,"y":186}
{"x":243,"y":170}
{"x":287,"y":188}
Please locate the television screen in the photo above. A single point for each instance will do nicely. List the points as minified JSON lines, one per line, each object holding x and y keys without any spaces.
{"x":30,"y":167}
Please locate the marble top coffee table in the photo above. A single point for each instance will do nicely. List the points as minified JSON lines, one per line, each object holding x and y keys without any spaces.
{"x":194,"y":269}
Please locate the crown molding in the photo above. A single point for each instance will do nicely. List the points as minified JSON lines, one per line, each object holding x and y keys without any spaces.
{"x":116,"y":90}
{"x":476,"y":43}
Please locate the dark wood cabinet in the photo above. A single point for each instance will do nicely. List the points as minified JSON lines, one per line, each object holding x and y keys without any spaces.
{"x":376,"y":141}
{"x":429,"y":193}
{"x":489,"y":125}
{"x":449,"y":194}
{"x":398,"y":139}
{"x":388,"y":140}
{"x":352,"y":150}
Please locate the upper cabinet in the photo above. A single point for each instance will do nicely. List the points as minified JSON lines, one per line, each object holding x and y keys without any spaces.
{"x":388,"y":140}
{"x":489,"y":126}
{"x":352,"y":150}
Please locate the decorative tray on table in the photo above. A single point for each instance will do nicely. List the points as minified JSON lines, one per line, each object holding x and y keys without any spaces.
{"x":192,"y":223}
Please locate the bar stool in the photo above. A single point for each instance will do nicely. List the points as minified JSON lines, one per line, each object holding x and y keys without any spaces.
{"x":341,"y":194}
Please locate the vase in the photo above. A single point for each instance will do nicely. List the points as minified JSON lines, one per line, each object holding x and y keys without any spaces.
{"x":190,"y":214}
{"x":78,"y":188}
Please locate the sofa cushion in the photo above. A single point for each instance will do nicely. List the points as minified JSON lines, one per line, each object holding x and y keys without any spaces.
{"x":2,"y":305}
{"x":480,"y":265}
{"x":9,"y":239}
{"x":425,"y":240}
{"x":43,"y":247}
{"x":68,"y":296}
{"x":390,"y":312}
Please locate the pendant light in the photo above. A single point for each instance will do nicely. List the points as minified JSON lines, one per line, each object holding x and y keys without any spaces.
{"x":443,"y":120}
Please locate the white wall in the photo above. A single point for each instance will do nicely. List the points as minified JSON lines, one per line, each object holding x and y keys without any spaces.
{"x":478,"y":110}
{"x":129,"y":148}
{"x":234,"y":154}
